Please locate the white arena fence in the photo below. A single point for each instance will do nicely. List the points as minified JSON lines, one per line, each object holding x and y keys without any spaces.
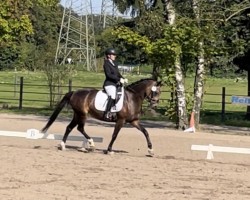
{"x":35,"y":134}
{"x":211,"y":148}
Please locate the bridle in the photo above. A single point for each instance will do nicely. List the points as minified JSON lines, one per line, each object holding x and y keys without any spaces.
{"x":153,"y":93}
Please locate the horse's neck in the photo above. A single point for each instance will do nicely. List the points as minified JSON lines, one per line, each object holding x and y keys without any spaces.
{"x":136,"y":94}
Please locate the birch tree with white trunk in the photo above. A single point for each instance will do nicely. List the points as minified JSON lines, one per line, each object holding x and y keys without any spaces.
{"x":200,"y":71}
{"x":180,"y":87}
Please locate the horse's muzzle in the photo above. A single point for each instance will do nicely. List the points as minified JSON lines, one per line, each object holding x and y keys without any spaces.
{"x":154,"y":103}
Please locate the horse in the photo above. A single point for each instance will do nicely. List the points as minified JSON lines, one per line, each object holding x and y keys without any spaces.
{"x":82,"y":102}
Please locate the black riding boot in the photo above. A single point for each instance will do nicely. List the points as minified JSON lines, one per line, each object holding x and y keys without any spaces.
{"x":107,"y":114}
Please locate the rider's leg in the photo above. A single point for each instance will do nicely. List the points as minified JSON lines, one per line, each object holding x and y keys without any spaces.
{"x":108,"y":107}
{"x":111,"y":91}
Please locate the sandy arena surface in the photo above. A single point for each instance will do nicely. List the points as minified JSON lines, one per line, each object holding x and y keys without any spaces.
{"x":36,"y":169}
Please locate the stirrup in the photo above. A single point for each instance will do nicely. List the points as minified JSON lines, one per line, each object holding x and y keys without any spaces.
{"x":108,"y":116}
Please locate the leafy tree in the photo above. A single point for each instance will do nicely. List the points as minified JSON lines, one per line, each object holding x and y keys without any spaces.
{"x":46,"y":22}
{"x":128,"y":53}
{"x":236,"y":32}
{"x":9,"y":56}
{"x":18,"y":29}
{"x":207,"y":19}
{"x":171,"y":43}
{"x":15,"y":23}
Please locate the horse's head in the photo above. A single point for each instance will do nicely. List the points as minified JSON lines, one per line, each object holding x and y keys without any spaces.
{"x":153,"y":93}
{"x":148,"y":89}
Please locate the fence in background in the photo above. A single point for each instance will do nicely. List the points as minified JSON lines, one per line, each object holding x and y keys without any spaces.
{"x":20,"y":94}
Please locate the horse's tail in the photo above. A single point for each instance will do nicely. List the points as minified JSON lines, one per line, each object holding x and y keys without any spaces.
{"x":65,"y":100}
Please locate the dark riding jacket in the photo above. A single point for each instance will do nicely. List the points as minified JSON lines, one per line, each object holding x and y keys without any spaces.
{"x":112,"y":73}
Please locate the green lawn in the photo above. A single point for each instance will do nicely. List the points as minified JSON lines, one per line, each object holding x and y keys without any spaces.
{"x":35,"y":83}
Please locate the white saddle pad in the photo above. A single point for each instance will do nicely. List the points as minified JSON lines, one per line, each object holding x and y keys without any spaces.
{"x":101,"y":100}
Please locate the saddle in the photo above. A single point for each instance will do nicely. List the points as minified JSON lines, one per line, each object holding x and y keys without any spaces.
{"x":101,"y":100}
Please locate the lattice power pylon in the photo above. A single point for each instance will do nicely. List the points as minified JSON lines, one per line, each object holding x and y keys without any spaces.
{"x":109,"y":13}
{"x":76,"y":42}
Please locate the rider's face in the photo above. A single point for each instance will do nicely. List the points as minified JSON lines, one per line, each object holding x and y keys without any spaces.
{"x":112,"y":57}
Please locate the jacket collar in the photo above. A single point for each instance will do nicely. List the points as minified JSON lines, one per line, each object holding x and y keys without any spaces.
{"x":111,"y":61}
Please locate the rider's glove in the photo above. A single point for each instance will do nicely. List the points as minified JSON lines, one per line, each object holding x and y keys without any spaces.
{"x":125,"y":80}
{"x":122,"y":80}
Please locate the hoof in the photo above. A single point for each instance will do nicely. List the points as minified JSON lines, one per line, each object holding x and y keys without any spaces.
{"x":62,"y":146}
{"x":91,"y":149}
{"x":108,"y":152}
{"x":82,"y":149}
{"x":89,"y":145}
{"x":111,"y":152}
{"x":151,"y":152}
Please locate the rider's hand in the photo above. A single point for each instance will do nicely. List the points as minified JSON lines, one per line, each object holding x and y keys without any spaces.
{"x":122,"y":80}
{"x":125,"y":80}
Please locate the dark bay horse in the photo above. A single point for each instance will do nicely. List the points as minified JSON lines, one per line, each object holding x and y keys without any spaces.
{"x":82,"y":103}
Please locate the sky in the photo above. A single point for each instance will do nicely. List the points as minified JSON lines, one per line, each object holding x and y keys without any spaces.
{"x":96,"y":4}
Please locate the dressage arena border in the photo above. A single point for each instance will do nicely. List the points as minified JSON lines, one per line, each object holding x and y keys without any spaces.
{"x":35,"y":134}
{"x":211,"y":148}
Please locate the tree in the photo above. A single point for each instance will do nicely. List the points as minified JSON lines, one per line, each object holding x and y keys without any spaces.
{"x":23,"y":33}
{"x":200,"y":70}
{"x":15,"y":23}
{"x":179,"y":77}
{"x":167,"y":48}
{"x":236,"y":23}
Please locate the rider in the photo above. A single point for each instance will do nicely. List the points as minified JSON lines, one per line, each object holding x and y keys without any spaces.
{"x":113,"y":78}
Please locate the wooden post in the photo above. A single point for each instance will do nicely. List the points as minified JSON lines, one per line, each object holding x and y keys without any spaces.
{"x":21,"y":94}
{"x":172,"y":97}
{"x":70,"y":85}
{"x":15,"y":85}
{"x":223,"y":104}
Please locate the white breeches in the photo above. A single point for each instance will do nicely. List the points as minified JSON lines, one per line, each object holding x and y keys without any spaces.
{"x":111,"y":91}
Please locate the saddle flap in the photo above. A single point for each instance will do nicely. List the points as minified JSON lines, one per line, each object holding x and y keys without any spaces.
{"x":101,"y":100}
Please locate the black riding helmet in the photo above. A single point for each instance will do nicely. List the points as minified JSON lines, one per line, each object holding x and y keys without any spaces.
{"x":110,"y":51}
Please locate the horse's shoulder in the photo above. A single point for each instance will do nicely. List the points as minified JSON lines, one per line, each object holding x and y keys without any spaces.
{"x":127,"y":94}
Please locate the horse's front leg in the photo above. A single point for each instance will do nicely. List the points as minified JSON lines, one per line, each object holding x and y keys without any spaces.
{"x":117,"y":129}
{"x":136,"y":124}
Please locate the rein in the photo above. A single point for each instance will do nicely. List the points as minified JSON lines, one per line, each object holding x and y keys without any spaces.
{"x":151,"y":96}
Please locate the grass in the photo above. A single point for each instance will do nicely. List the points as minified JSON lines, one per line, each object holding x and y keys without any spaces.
{"x":211,"y":108}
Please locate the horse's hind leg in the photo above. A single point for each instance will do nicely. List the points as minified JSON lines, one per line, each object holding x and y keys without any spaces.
{"x":69,"y":128}
{"x":145,"y":132}
{"x":89,"y":144}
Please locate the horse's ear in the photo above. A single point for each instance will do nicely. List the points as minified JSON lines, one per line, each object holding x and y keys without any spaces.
{"x":159,"y":83}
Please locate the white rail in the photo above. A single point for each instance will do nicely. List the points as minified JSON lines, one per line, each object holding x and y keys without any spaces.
{"x":211,"y":148}
{"x":35,"y":134}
